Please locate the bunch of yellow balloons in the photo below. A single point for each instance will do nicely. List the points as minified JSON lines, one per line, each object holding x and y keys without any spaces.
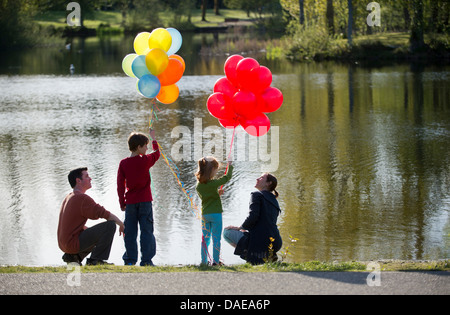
{"x":156,"y":65}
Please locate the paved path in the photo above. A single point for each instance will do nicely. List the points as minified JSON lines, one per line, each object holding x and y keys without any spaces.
{"x":226,"y":283}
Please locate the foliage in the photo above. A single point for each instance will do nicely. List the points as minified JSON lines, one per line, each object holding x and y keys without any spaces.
{"x":287,"y":250}
{"x":396,"y":15}
{"x":16,"y":22}
{"x":309,"y":42}
{"x":315,"y":39}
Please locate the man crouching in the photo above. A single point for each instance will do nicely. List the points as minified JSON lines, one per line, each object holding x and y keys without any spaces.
{"x":74,"y":238}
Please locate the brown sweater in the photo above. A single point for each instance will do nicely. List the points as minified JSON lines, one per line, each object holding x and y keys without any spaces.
{"x":76,"y":209}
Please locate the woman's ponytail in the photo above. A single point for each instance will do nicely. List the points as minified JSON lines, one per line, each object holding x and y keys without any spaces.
{"x":273,"y":185}
{"x":275,"y":193}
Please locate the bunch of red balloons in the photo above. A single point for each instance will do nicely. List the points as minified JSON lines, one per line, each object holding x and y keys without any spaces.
{"x":244,"y":96}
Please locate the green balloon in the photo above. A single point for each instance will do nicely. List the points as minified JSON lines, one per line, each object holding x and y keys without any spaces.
{"x":126,"y":64}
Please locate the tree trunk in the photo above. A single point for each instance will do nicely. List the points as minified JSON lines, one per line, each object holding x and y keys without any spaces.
{"x":302,"y":12}
{"x":350,"y":22}
{"x":416,"y":39}
{"x":216,"y":7}
{"x":330,"y":17}
{"x":434,"y":19}
{"x":204,"y":5}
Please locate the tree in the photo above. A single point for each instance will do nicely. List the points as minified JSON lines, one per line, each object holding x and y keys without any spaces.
{"x":16,"y":23}
{"x":302,"y":12}
{"x":330,"y":17}
{"x":350,"y":22}
{"x":216,"y":7}
{"x":204,"y":5}
{"x":416,"y":39}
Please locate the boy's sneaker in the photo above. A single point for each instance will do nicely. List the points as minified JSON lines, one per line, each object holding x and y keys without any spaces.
{"x":72,"y":258}
{"x":95,"y":262}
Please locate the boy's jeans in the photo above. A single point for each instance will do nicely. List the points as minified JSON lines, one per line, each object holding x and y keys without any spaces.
{"x":211,"y":224}
{"x":141,"y":213}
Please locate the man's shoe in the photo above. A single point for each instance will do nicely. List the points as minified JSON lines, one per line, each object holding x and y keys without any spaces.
{"x":72,"y":258}
{"x":95,"y":262}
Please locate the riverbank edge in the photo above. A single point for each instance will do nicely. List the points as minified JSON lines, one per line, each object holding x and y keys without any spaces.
{"x":365,"y":48}
{"x":353,"y":266}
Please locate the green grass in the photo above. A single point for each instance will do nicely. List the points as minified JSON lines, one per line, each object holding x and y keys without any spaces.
{"x":390,"y":265}
{"x":394,"y":39}
{"x":91,"y":20}
{"x":213,"y":20}
{"x":94,"y":19}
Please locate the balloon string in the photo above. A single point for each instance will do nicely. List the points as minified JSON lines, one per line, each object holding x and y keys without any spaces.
{"x":153,"y":113}
{"x":177,"y":174}
{"x":172,"y":166}
{"x":229,"y":153}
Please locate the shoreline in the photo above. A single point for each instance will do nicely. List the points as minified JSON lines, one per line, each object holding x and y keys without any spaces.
{"x":353,"y":266}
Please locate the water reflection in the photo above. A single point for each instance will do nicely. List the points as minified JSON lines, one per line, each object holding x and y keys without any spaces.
{"x":364,"y":163}
{"x":368,"y":165}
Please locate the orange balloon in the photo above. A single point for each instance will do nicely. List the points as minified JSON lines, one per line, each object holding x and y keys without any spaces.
{"x":180,"y":59}
{"x":168,"y":94}
{"x":172,"y":74}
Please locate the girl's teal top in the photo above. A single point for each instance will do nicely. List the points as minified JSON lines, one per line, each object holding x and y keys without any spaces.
{"x":209,"y":194}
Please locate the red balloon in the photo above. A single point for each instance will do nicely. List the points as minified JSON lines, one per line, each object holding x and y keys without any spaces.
{"x":264,"y":78}
{"x":230,"y":68}
{"x":247,"y":71}
{"x":257,"y":126}
{"x":244,"y":95}
{"x":223,"y":85}
{"x":272,"y":100}
{"x":229,"y":123}
{"x":244,"y":104}
{"x":219,"y":107}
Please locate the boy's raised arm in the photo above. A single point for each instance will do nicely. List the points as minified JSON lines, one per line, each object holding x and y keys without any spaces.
{"x":155,"y":154}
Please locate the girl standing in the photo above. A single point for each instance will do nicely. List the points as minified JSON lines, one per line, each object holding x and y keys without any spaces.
{"x":209,"y":192}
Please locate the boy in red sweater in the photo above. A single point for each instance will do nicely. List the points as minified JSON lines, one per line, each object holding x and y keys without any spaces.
{"x":135,"y":198}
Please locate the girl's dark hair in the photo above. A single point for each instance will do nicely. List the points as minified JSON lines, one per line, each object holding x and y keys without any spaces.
{"x":273,"y":185}
{"x":74,"y":174}
{"x":137,"y":139}
{"x":206,"y":166}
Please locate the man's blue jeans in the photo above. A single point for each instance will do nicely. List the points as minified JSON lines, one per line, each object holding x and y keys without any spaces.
{"x":139,"y":213}
{"x":211,"y":225}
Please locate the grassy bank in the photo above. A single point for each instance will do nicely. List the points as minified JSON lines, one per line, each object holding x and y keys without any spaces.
{"x":112,"y":21}
{"x":388,"y":265}
{"x":304,"y":43}
{"x":316,"y":44}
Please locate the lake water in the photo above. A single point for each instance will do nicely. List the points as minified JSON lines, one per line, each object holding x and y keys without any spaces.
{"x":362,"y":154}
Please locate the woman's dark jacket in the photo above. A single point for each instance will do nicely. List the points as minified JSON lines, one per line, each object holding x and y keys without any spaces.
{"x":261,"y":224}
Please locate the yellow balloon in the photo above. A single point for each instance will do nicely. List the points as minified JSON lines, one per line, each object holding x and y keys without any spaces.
{"x":156,"y":61}
{"x":160,"y":38}
{"x":168,"y":94}
{"x":141,"y":43}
